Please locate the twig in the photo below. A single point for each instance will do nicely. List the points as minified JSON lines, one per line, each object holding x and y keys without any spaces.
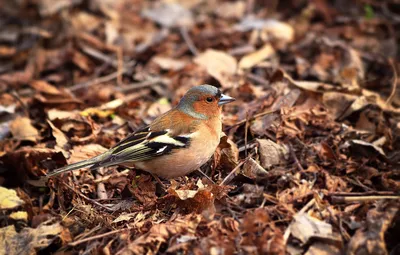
{"x":15,"y":94}
{"x":98,"y":236}
{"x":370,"y":193}
{"x":120,"y":68}
{"x":394,"y":83}
{"x":188,"y":40}
{"x":105,"y":58}
{"x":94,"y":81}
{"x":87,"y":198}
{"x":299,"y":166}
{"x":303,"y":210}
{"x":207,"y":177}
{"x":351,"y":199}
{"x":258,"y":115}
{"x":159,"y":181}
{"x":140,"y":85}
{"x":258,"y":79}
{"x":101,"y":188}
{"x":246,"y":132}
{"x":229,"y":176}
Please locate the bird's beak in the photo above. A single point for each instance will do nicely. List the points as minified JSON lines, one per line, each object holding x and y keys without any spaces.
{"x":224,"y":99}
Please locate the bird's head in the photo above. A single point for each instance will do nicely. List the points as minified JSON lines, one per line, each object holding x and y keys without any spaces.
{"x":203,"y":101}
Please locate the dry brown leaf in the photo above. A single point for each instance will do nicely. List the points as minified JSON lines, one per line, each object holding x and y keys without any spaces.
{"x":226,"y":155}
{"x":144,"y":190}
{"x":28,"y":161}
{"x":271,"y":153}
{"x":49,"y":7}
{"x":61,"y":139}
{"x":59,"y":114}
{"x":273,"y":28}
{"x":84,"y":152}
{"x":170,"y":15}
{"x":45,"y":87}
{"x":256,"y":57}
{"x":6,"y":51}
{"x":150,"y":242}
{"x":305,"y":227}
{"x":219,"y":65}
{"x":199,"y":201}
{"x":231,"y":10}
{"x":323,"y":249}
{"x":169,"y":63}
{"x":28,"y":240}
{"x":370,"y":238}
{"x":337,"y":102}
{"x":83,"y":21}
{"x":253,"y":169}
{"x":22,"y":129}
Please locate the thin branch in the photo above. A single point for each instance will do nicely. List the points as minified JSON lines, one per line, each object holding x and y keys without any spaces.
{"x":352,"y":199}
{"x":188,"y":40}
{"x":394,"y":83}
{"x":94,"y":81}
{"x":88,"y":199}
{"x":98,"y":236}
{"x":229,"y":176}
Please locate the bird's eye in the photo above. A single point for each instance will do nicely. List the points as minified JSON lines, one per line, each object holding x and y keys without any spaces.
{"x":209,"y":99}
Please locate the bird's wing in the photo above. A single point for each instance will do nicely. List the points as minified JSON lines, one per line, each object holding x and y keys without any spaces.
{"x":143,"y":145}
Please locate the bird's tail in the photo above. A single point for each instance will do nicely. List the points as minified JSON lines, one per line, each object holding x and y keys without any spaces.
{"x":78,"y":165}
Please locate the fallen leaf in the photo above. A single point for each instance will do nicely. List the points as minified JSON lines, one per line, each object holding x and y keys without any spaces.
{"x":370,"y":238}
{"x":227,"y":154}
{"x":9,"y":199}
{"x":305,"y":227}
{"x":170,"y":15}
{"x":45,"y":87}
{"x":276,"y":29}
{"x":61,"y":139}
{"x":20,"y":215}
{"x":271,"y":153}
{"x":49,"y":7}
{"x":151,"y":241}
{"x":169,"y":63}
{"x":22,"y":129}
{"x":28,"y":240}
{"x":256,"y":57}
{"x":82,"y":152}
{"x":253,"y":169}
{"x":219,"y":65}
{"x":231,"y":10}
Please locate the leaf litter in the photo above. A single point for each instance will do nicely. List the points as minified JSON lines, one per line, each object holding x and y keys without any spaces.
{"x":308,"y":164}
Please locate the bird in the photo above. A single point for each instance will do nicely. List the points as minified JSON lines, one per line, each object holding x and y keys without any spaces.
{"x":175,"y":144}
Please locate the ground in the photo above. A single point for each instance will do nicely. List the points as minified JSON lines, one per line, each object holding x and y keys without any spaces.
{"x":309,"y":160}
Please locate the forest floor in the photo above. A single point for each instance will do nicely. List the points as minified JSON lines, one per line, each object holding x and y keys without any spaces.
{"x":310,"y":159}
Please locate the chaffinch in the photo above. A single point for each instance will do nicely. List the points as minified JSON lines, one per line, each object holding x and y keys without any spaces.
{"x":174,"y":144}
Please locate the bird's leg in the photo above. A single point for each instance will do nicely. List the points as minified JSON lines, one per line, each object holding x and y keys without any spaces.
{"x":208,"y":178}
{"x":159,"y":181}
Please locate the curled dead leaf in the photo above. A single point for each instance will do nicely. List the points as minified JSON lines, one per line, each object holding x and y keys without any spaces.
{"x":272,"y":153}
{"x":45,"y":87}
{"x":227,"y":154}
{"x":21,"y":128}
{"x":219,"y":65}
{"x":275,"y":29}
{"x":256,"y":57}
{"x":170,"y":15}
